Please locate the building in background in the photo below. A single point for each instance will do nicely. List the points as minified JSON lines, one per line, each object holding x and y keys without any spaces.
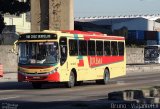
{"x":21,"y":22}
{"x":141,"y":29}
{"x":15,"y":24}
{"x":137,"y":29}
{"x":130,"y":22}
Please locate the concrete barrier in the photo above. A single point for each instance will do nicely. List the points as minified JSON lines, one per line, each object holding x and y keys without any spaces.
{"x":134,"y":56}
{"x":8,"y":59}
{"x":143,"y":68}
{"x":141,"y":96}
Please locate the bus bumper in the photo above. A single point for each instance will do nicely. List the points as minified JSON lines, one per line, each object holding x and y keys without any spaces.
{"x":22,"y":77}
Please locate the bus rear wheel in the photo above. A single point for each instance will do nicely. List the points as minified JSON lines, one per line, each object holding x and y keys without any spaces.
{"x":106,"y":77}
{"x":71,"y":82}
{"x":36,"y":85}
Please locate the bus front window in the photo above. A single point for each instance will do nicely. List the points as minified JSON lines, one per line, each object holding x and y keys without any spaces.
{"x":38,"y":53}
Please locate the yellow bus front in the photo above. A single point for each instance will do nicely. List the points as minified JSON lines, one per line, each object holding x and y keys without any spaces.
{"x":38,"y":58}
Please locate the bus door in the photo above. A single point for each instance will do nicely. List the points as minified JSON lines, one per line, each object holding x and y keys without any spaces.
{"x":63,"y":55}
{"x":63,"y":50}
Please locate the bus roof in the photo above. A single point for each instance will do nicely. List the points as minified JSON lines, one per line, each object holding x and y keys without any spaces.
{"x":82,"y":32}
{"x":87,"y":35}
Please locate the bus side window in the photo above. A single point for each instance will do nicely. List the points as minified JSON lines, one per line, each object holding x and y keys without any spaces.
{"x":91,"y":48}
{"x":73,"y":48}
{"x":121,"y":48}
{"x":114,"y":48}
{"x":82,"y":48}
{"x":99,"y":48}
{"x":107,"y":48}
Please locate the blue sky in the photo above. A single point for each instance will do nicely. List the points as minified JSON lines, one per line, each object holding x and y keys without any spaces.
{"x":86,"y":8}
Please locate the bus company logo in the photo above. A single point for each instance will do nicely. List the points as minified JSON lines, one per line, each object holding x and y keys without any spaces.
{"x":95,"y":61}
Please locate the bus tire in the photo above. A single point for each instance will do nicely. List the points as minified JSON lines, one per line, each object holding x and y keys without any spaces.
{"x":36,"y":85}
{"x":71,"y":82}
{"x":106,"y":77}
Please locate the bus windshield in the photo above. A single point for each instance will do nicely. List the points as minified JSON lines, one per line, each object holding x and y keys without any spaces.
{"x":38,"y":52}
{"x":151,"y":52}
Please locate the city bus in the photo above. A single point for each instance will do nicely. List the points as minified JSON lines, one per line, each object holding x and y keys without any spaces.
{"x":152,"y":54}
{"x":70,"y":57}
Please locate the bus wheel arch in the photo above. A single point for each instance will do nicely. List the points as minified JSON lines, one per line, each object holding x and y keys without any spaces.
{"x":75,"y":73}
{"x":72,"y":79}
{"x":106,"y":77}
{"x":107,"y":72}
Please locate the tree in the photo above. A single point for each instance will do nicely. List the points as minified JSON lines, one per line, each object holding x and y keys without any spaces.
{"x":13,"y":7}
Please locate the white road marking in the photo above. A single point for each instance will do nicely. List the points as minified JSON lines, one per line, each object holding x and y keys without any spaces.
{"x":121,"y":82}
{"x":156,"y":80}
{"x":9,"y":98}
{"x":7,"y":91}
{"x":140,"y":77}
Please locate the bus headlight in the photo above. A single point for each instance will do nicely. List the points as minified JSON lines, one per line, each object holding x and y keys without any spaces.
{"x":53,"y":71}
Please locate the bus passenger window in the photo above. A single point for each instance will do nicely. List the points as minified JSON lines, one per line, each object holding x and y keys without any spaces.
{"x":82,"y":48}
{"x":114,"y":49}
{"x":121,"y":48}
{"x":99,"y":48}
{"x":107,"y":48}
{"x":73,"y":48}
{"x":91,"y":48}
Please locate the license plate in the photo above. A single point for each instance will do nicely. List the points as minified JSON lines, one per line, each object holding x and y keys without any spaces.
{"x":37,"y":77}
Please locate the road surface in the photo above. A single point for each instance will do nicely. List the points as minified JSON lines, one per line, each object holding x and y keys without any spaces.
{"x":90,"y":95}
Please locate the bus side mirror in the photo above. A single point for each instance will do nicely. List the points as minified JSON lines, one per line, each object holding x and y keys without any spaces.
{"x":14,"y":48}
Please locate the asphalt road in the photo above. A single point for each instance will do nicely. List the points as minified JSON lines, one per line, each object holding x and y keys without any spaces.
{"x":15,"y":95}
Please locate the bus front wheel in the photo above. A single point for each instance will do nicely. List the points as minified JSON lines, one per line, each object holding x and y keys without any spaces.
{"x":106,"y":77}
{"x":71,"y":81}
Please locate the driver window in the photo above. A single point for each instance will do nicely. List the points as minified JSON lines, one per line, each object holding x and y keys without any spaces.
{"x":63,"y":50}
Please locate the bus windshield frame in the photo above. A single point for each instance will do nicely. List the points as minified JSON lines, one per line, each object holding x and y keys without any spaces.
{"x":38,"y":52}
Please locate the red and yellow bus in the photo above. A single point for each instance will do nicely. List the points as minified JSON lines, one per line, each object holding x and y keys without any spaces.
{"x":70,"y":57}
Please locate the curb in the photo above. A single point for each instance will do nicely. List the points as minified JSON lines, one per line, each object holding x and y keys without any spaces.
{"x":130,"y":70}
{"x":142,"y":68}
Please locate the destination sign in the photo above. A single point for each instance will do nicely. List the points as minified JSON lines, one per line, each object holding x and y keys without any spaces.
{"x":38,"y":36}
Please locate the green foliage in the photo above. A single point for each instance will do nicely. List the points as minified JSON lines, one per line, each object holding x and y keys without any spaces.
{"x":13,"y":7}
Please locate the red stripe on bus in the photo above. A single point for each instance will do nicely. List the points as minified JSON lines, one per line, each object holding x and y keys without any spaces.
{"x":81,"y":63}
{"x":104,"y":37}
{"x":55,"y":77}
{"x":102,"y":60}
